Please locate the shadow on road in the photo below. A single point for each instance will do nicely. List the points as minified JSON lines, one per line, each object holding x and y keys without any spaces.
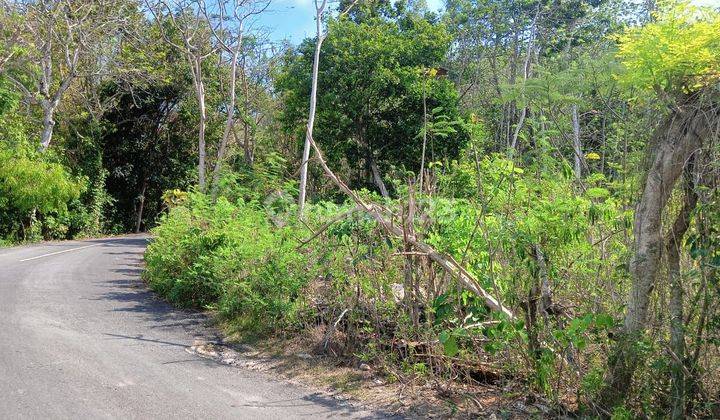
{"x":131,"y":296}
{"x":335,"y":407}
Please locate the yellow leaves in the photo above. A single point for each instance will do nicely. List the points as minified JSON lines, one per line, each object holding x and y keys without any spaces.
{"x":174,"y":198}
{"x":680,"y":51}
{"x":592,"y":156}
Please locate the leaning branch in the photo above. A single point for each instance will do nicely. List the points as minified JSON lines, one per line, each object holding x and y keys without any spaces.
{"x":467,"y":280}
{"x":329,"y":223}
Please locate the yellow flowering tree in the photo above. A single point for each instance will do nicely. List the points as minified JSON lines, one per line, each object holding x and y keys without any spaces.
{"x":677,"y":53}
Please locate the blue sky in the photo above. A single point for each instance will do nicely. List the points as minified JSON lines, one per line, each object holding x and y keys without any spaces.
{"x":295,"y":19}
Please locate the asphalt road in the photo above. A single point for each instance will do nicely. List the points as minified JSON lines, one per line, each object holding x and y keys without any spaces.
{"x":81,"y":337}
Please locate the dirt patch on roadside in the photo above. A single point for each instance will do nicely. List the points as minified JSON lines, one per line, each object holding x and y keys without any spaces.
{"x":373,"y":387}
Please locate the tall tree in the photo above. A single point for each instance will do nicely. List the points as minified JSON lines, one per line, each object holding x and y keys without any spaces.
{"x":184,"y":26}
{"x":319,"y":38}
{"x":59,"y":39}
{"x":372,"y":82}
{"x":227,"y":22}
{"x":684,"y":79}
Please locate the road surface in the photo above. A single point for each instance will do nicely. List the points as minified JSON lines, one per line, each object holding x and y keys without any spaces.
{"x":81,"y":337}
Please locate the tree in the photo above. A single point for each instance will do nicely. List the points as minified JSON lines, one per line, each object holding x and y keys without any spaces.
{"x":9,"y":35}
{"x":372,"y":83}
{"x":58,"y":40}
{"x":185,"y":20}
{"x":146,"y":147}
{"x":319,"y":38}
{"x":146,"y":141}
{"x":227,"y":23}
{"x":683,"y":77}
{"x":501,"y":43}
{"x":31,"y":185}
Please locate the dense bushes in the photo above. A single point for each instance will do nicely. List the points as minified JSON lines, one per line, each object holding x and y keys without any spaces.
{"x":248,"y":261}
{"x":231,"y":258}
{"x":34,"y":194}
{"x":41,"y":195}
{"x":552,"y":250}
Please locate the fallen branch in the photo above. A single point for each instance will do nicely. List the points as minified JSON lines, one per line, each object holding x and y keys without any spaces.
{"x":467,"y":281}
{"x":331,"y":330}
{"x":418,"y":254}
{"x":324,"y":227}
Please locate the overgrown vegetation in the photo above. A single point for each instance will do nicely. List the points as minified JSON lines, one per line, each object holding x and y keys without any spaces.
{"x":501,"y":192}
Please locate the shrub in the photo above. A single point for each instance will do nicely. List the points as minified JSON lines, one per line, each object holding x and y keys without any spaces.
{"x":228,"y":257}
{"x":32,"y":189}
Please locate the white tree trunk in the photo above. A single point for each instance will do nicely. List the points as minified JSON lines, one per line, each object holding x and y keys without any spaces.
{"x":229,"y":123}
{"x":48,"y":125}
{"x":313,"y":104}
{"x":577,"y":145}
{"x":196,"y":62}
{"x":141,"y":207}
{"x":526,"y":74}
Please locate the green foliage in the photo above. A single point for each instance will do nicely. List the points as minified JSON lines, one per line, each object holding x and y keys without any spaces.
{"x":125,"y":150}
{"x":373,"y":76}
{"x":32,"y":187}
{"x":678,"y":53}
{"x":231,"y":258}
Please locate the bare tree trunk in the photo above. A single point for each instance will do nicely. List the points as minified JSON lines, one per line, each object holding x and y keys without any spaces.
{"x":539,"y":300}
{"x":229,"y":123}
{"x":48,"y":107}
{"x":677,"y":332}
{"x":377,"y":177}
{"x":526,"y":74}
{"x":319,"y":10}
{"x":677,"y":139}
{"x":200,"y":92}
{"x":531,"y":324}
{"x":194,"y":54}
{"x":544,"y":280}
{"x":577,"y":145}
{"x":48,"y":125}
{"x":141,"y":207}
{"x":51,"y":101}
{"x":412,"y":293}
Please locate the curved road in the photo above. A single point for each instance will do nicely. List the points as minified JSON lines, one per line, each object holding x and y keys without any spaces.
{"x":81,"y":337}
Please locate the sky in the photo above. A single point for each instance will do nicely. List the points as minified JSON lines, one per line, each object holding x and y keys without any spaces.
{"x":294,"y":20}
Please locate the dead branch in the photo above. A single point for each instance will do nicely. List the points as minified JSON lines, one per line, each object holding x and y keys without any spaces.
{"x":331,"y":330}
{"x":467,"y":281}
{"x":324,"y":227}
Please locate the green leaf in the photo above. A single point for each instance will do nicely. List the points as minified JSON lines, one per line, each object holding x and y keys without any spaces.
{"x":603,"y":321}
{"x":449,"y":343}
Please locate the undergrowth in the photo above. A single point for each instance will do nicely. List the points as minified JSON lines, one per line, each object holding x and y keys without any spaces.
{"x":363,"y":295}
